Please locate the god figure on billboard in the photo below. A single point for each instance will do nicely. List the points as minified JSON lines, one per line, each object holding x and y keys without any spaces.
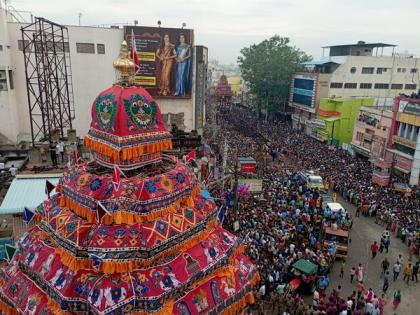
{"x":166,"y":55}
{"x":183,"y":67}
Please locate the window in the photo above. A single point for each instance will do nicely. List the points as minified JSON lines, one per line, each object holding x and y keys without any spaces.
{"x":100,"y":48}
{"x":365,"y":85}
{"x":3,"y":80}
{"x":413,"y":70}
{"x":381,"y":86}
{"x":368,"y":70}
{"x":359,"y":136}
{"x":11,"y":80}
{"x":336,"y":85}
{"x":380,"y":70}
{"x":85,"y":48}
{"x":22,"y":43}
{"x":396,"y":86}
{"x":410,"y":86}
{"x":350,"y":85}
{"x":1,"y":47}
{"x":401,"y":70}
{"x":353,"y":70}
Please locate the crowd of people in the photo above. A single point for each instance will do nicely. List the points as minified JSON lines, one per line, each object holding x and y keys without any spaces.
{"x":284,"y":223}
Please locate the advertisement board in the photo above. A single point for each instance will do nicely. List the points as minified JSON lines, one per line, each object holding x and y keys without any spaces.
{"x":165,"y":59}
{"x":303,"y":90}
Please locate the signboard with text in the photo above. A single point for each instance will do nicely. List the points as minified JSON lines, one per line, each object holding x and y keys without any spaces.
{"x":165,"y":58}
{"x":303,"y":91}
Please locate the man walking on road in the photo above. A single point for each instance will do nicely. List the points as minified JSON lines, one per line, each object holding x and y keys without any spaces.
{"x":385,"y":266}
{"x":360,"y":287}
{"x":408,"y":272}
{"x":415,"y":271}
{"x":374,"y":249}
{"x":386,"y":282}
{"x":397,"y":270}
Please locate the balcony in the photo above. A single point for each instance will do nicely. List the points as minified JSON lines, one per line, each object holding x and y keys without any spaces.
{"x":405,"y":142}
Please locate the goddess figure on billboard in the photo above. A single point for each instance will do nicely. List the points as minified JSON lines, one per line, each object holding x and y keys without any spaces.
{"x":183,"y":68}
{"x":166,"y":54}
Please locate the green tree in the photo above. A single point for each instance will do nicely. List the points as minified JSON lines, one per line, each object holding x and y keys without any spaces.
{"x":268,"y":68}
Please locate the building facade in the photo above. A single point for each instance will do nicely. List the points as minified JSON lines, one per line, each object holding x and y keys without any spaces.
{"x":92,"y":50}
{"x":335,"y":120}
{"x":352,"y":71}
{"x":404,"y":146}
{"x":372,"y":132}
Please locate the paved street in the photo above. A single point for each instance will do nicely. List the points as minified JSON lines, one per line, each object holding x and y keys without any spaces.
{"x":364,"y":232}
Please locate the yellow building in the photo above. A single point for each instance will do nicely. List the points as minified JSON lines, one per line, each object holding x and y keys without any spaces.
{"x":236,"y":83}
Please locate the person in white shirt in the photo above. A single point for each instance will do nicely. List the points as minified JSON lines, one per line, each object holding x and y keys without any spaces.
{"x":261,"y":291}
{"x":13,"y":170}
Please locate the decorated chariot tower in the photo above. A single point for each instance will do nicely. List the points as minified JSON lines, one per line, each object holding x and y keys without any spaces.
{"x":128,"y":232}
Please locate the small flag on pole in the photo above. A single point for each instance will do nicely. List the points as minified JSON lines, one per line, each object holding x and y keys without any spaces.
{"x":10,"y":251}
{"x":192,"y":155}
{"x":116,"y":177}
{"x":96,"y":260}
{"x":101,"y":212}
{"x":221,"y":214}
{"x":28,"y":215}
{"x":48,"y":188}
{"x":133,"y":52}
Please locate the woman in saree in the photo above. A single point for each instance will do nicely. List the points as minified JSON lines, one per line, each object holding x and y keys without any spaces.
{"x":183,"y":68}
{"x":166,"y":55}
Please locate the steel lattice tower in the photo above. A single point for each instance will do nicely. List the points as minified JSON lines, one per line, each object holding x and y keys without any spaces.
{"x":48,"y":78}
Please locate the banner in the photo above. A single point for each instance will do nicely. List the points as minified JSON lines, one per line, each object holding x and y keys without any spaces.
{"x":165,"y":56}
{"x":255,"y":185}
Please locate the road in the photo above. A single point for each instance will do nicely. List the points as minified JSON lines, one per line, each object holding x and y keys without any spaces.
{"x":362,"y":235}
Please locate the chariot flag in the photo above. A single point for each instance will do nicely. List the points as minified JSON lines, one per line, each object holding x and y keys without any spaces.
{"x":133,"y":52}
{"x":221,"y":214}
{"x":28,"y":215}
{"x":101,"y":211}
{"x":190,"y":156}
{"x":10,"y":251}
{"x":48,"y":188}
{"x":116,"y":177}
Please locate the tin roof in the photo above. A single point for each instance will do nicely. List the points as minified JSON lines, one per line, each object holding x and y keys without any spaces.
{"x":26,"y":191}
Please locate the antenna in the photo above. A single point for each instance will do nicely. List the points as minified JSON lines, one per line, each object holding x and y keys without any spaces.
{"x":80,"y":17}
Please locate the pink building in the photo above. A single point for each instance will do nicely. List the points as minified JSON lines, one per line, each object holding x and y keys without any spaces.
{"x":371,"y":137}
{"x":372,"y":131}
{"x":403,"y":150}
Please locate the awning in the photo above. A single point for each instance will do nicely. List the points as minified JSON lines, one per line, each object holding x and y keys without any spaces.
{"x":318,"y":62}
{"x":26,"y":191}
{"x":361,"y":150}
{"x":305,"y":266}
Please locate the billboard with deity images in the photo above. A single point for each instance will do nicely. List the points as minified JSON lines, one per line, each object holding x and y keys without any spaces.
{"x":165,"y":59}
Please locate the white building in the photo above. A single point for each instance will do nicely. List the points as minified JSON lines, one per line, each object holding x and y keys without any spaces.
{"x":92,"y":72}
{"x":358,"y":70}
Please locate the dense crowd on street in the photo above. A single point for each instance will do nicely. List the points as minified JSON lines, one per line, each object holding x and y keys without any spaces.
{"x":285,"y":222}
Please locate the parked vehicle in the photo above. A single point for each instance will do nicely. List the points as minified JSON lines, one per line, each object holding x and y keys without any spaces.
{"x":341,"y":239}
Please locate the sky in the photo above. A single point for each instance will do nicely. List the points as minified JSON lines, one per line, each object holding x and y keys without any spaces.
{"x":226,"y":26}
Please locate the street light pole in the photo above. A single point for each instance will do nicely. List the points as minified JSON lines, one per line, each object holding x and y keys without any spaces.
{"x":235,"y":200}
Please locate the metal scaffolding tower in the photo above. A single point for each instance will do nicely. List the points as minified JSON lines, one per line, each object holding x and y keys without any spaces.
{"x":46,"y":54}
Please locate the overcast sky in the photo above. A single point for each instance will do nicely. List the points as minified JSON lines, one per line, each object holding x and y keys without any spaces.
{"x":225,"y":26}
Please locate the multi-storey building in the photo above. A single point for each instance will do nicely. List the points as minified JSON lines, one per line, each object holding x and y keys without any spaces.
{"x":372,"y":131}
{"x":404,"y":146}
{"x":359,"y":70}
{"x":92,"y":51}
